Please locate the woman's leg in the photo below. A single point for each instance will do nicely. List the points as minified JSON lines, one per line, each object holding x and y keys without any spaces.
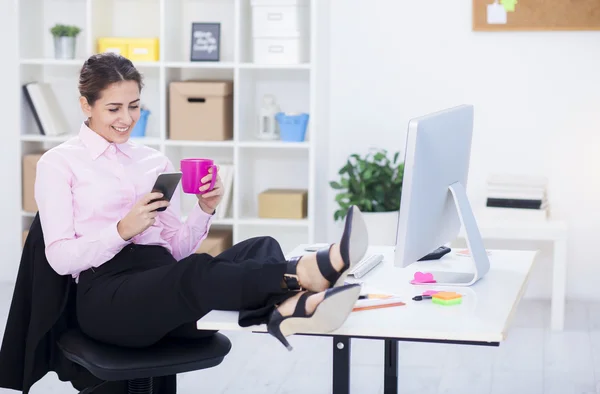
{"x":137,"y":306}
{"x":143,"y":293}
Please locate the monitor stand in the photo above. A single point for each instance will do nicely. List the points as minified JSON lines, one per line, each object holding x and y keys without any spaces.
{"x":478,"y":254}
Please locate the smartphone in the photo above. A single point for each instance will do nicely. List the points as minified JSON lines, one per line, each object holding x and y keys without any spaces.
{"x":166,"y":183}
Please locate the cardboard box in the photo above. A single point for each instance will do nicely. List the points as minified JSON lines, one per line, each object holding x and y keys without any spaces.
{"x":29,"y":169}
{"x":201,"y":110}
{"x":25,"y":233}
{"x":217,"y":241}
{"x":283,"y":204}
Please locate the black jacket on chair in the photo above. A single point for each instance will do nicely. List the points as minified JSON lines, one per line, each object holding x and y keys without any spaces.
{"x":42,"y":307}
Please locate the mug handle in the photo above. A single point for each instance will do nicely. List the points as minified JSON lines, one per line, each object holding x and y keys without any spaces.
{"x":214,"y":178}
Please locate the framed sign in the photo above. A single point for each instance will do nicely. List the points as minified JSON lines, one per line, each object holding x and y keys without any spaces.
{"x":206,"y":42}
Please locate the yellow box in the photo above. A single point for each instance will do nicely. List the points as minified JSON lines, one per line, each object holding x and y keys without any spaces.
{"x":135,"y":49}
{"x":283,"y":204}
{"x":113,"y":44}
{"x":143,"y":49}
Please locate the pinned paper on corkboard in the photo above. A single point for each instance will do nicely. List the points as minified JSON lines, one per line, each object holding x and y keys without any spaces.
{"x":536,"y":15}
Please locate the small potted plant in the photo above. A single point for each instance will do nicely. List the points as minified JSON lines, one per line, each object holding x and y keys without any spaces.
{"x":373,"y":183}
{"x":64,"y":40}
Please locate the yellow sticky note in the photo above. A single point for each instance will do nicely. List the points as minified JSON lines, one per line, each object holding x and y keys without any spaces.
{"x":509,"y":5}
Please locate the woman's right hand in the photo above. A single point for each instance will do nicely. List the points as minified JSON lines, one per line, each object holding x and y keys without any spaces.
{"x":141,"y":216}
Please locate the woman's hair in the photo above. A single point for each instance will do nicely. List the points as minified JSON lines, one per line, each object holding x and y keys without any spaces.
{"x":104,"y":69}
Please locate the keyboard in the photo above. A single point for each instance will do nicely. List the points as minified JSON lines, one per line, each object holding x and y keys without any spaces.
{"x":365,"y":265}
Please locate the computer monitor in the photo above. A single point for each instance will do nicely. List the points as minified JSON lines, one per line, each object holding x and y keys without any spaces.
{"x":434,"y":202}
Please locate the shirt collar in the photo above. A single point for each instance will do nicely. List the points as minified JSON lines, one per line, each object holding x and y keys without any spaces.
{"x":97,"y":145}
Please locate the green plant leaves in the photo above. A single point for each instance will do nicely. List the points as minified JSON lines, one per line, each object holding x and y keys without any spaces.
{"x":373,"y":183}
{"x":59,"y":30}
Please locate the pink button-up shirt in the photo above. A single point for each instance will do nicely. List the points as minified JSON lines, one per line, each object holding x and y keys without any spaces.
{"x":83,"y":188}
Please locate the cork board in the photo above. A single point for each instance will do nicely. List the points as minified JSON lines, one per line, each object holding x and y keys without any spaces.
{"x":523,"y":15}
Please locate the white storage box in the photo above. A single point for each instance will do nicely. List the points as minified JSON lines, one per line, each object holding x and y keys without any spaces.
{"x":290,"y":48}
{"x":272,"y":17}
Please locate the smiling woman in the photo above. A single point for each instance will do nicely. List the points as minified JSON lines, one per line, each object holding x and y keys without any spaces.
{"x":138,"y":276}
{"x":110,"y":88}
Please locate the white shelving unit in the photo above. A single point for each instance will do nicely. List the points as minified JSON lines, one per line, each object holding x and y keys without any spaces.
{"x":258,"y":164}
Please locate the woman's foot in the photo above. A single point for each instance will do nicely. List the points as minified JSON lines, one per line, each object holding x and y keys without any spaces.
{"x":309,"y":274}
{"x":309,"y":312}
{"x":288,"y":307}
{"x":329,"y":267}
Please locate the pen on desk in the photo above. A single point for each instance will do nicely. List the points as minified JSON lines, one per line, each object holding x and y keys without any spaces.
{"x":373,"y":296}
{"x":421,"y":297}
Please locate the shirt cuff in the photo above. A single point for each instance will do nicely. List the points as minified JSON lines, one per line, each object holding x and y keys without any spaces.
{"x":112,"y":239}
{"x":198,"y":219}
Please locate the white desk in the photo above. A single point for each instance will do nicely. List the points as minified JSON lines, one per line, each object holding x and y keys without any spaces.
{"x":483,"y":317}
{"x":554,"y":231}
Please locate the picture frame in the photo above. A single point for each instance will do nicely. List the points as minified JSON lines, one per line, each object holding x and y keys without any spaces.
{"x":205,"y":45}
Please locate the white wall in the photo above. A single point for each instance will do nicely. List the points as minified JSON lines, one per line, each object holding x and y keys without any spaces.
{"x":536,"y":98}
{"x":9,"y":160}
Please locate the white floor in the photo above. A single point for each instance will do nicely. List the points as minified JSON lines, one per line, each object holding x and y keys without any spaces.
{"x":533,"y":360}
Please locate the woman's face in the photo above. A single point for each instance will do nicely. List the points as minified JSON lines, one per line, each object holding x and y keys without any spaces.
{"x":115,"y":112}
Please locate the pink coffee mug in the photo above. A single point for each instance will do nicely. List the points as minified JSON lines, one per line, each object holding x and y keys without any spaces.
{"x":193,"y":170}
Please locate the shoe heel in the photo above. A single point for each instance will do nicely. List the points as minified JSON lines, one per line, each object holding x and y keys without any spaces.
{"x":274,"y":328}
{"x":277,"y":334}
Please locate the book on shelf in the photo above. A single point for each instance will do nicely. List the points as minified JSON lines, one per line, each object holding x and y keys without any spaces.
{"x":510,"y":196}
{"x":48,"y":116}
{"x":226,"y":172}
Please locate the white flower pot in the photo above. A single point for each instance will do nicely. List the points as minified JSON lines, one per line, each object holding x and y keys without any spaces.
{"x":382,"y":227}
{"x":64,"y":47}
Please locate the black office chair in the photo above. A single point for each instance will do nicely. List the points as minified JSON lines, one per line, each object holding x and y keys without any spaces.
{"x":139,"y":366}
{"x":42,"y":294}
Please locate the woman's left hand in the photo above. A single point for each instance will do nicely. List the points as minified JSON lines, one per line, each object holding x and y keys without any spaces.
{"x":209,"y":201}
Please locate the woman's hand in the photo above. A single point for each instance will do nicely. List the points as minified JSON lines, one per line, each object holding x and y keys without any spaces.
{"x":141,"y":216}
{"x":209,"y":201}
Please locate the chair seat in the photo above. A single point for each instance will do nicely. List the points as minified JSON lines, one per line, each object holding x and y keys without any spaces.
{"x":168,"y":357}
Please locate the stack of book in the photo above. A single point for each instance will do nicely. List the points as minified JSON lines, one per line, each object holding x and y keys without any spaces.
{"x":519,"y":197}
{"x":47,"y":113}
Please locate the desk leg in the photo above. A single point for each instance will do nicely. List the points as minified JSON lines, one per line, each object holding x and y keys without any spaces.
{"x":341,"y":365}
{"x":559,"y":278}
{"x":390,"y":377}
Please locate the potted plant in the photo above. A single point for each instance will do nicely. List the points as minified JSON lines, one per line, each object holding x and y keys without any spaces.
{"x":373,"y":183}
{"x":64,"y":40}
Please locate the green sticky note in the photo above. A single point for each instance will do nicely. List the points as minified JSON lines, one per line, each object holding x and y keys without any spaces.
{"x":509,"y":5}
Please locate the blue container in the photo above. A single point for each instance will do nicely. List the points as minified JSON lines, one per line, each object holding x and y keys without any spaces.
{"x":140,"y":127}
{"x":292,"y":128}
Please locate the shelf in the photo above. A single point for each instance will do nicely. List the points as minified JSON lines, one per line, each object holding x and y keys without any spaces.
{"x":226,"y":65}
{"x":274,"y":222}
{"x":54,"y":62}
{"x":274,"y":144}
{"x":183,"y":64}
{"x":258,"y":164}
{"x":207,"y":144}
{"x":217,"y":222}
{"x":304,"y":66}
{"x":46,"y":138}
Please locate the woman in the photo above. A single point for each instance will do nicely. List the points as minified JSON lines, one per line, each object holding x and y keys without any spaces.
{"x":139,"y":278}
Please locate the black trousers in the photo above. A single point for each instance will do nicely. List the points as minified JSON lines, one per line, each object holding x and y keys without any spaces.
{"x":143,"y":294}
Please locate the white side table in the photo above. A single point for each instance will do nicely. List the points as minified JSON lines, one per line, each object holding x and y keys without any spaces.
{"x":554,"y":231}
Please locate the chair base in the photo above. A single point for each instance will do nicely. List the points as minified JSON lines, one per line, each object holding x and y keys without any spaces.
{"x":140,"y":386}
{"x":134,"y":386}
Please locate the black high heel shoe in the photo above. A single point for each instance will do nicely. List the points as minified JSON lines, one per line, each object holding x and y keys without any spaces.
{"x":353,"y":246}
{"x":329,"y":315}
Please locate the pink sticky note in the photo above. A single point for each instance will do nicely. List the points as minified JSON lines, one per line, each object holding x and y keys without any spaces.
{"x":421,"y":277}
{"x":430,"y":292}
